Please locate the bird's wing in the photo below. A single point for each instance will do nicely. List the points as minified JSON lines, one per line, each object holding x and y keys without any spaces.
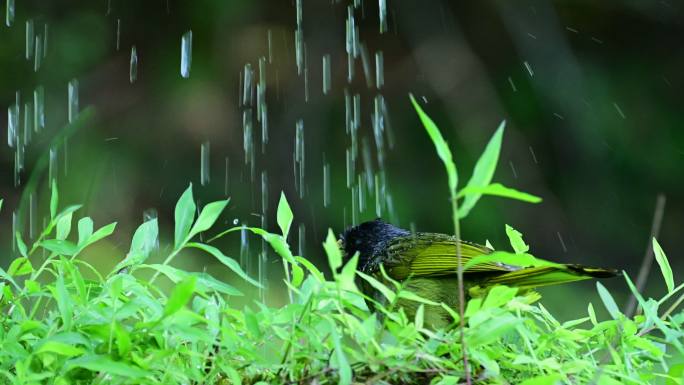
{"x":427,"y":254}
{"x":532,"y":277}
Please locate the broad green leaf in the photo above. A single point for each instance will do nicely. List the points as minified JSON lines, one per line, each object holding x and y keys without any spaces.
{"x":54,"y":200}
{"x":516,"y":239}
{"x":64,"y":302}
{"x":379,"y":286}
{"x":180,"y":295}
{"x":665,"y":268}
{"x":348,"y":274}
{"x":297,"y":275}
{"x":284,"y":215}
{"x":550,"y":379}
{"x":64,"y":225}
{"x":491,"y":329}
{"x":100,"y":233}
{"x":59,"y":246}
{"x":497,"y":189}
{"x":184,"y":214}
{"x":23,"y":250}
{"x":208,"y":216}
{"x":419,"y":319}
{"x":229,"y":262}
{"x":145,"y":238}
{"x":411,"y":296}
{"x":483,"y":171}
{"x":332,"y":250}
{"x":60,"y":348}
{"x":608,"y":301}
{"x":441,"y":145}
{"x":103,"y":364}
{"x":205,"y":282}
{"x":498,"y":296}
{"x":20,"y":266}
{"x":85,"y":230}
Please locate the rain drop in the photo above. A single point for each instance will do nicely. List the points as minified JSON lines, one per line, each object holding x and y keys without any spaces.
{"x":133,"y":72}
{"x":73,"y":99}
{"x":186,"y":54}
{"x":204,"y":163}
{"x":9,"y":13}
{"x":30,"y":39}
{"x":326,"y":74}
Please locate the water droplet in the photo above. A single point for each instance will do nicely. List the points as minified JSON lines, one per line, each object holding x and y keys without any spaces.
{"x":264,"y":196}
{"x":382,"y":10}
{"x":52,"y":166}
{"x":510,"y":80}
{"x":301,"y":239}
{"x":529,"y":69}
{"x":534,"y":157}
{"x":38,"y":55}
{"x":235,"y":222}
{"x":204,"y":163}
{"x":299,"y":158}
{"x":379,"y":70}
{"x":9,"y":13}
{"x":515,"y":174}
{"x":118,"y":34}
{"x":326,"y":74}
{"x":73,"y":99}
{"x":133,"y":70}
{"x":13,"y":112}
{"x":30,"y":39}
{"x":186,"y":54}
{"x":326,"y":185}
{"x":38,"y":108}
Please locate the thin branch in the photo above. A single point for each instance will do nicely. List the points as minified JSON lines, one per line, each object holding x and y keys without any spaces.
{"x":647,"y":261}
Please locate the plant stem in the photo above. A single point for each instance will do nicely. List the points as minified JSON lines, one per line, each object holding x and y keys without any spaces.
{"x":461,"y":291}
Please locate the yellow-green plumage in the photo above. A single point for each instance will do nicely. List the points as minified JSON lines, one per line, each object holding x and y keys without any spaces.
{"x":427,"y":264}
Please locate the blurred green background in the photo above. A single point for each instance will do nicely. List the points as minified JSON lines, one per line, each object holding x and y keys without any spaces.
{"x":591,"y":93}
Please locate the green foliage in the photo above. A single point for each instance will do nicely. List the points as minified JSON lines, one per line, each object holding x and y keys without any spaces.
{"x":61,"y":327}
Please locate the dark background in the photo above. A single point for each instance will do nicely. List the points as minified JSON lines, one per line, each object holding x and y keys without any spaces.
{"x":596,"y":129}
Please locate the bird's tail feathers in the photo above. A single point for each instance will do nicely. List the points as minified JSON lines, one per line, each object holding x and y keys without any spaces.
{"x":531,"y":277}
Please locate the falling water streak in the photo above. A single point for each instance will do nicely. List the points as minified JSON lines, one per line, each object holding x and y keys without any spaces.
{"x":326,"y":185}
{"x":262,"y":109}
{"x":73,"y":99}
{"x":300,"y":157}
{"x":52,"y":166}
{"x":9,"y":13}
{"x":366,"y":64}
{"x":30,"y":39}
{"x":226,"y":178}
{"x":247,"y":132}
{"x":378,"y":204}
{"x":510,"y":81}
{"x":350,"y":43}
{"x":619,"y":110}
{"x":32,"y":216}
{"x":534,"y":157}
{"x":515,"y":174}
{"x":356,"y":124}
{"x":133,"y":70}
{"x":45,"y":41}
{"x":347,"y":111}
{"x":38,"y":54}
{"x":350,"y":168}
{"x":362,"y":193}
{"x":379,"y":130}
{"x":118,"y":34}
{"x":306,"y":83}
{"x":529,"y":69}
{"x":204,"y":163}
{"x":382,"y":10}
{"x":367,"y":163}
{"x":390,"y":208}
{"x":28,"y":122}
{"x":379,"y":69}
{"x":244,"y":249}
{"x":270,"y":46}
{"x":301,"y":239}
{"x":327,"y":77}
{"x":13,"y":112}
{"x":247,"y":85}
{"x":38,"y":108}
{"x":355,"y":218}
{"x":264,"y":197}
{"x":299,"y":39}
{"x":186,"y":54}
{"x":15,"y":222}
{"x":565,"y":249}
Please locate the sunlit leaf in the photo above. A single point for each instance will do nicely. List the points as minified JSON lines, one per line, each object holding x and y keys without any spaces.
{"x":332,"y":250}
{"x":64,"y":225}
{"x":483,"y":171}
{"x":208,"y":217}
{"x":59,"y":246}
{"x":97,"y":363}
{"x":54,"y":200}
{"x":379,"y":286}
{"x":516,"y":239}
{"x":441,"y":145}
{"x":608,"y":301}
{"x":665,"y":268}
{"x":20,"y":266}
{"x":229,"y":262}
{"x":60,"y":348}
{"x":284,"y":215}
{"x":180,"y":295}
{"x":23,"y":250}
{"x":550,"y":379}
{"x":184,"y":214}
{"x":497,"y":189}
{"x":85,"y":229}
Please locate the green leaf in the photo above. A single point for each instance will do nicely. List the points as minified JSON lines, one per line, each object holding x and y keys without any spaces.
{"x":64,"y":303}
{"x":664,"y":265}
{"x":550,"y":379}
{"x":284,"y":215}
{"x":64,"y":225}
{"x":332,"y":250}
{"x":205,"y":282}
{"x":208,"y":217}
{"x":97,"y":363}
{"x":516,"y":239}
{"x":311,"y":267}
{"x":145,"y":238}
{"x":339,"y":360}
{"x":441,"y":145}
{"x":497,"y":189}
{"x":379,"y":286}
{"x":608,"y":301}
{"x":184,"y":214}
{"x":59,"y":246}
{"x":483,"y":171}
{"x":54,"y":200}
{"x":20,"y":266}
{"x":229,"y":262}
{"x":23,"y":250}
{"x":60,"y":348}
{"x":85,"y":229}
{"x":297,"y":275}
{"x":102,"y":232}
{"x":411,"y":296}
{"x":180,"y":295}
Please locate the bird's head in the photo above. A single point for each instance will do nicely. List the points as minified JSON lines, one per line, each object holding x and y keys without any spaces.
{"x":369,"y":239}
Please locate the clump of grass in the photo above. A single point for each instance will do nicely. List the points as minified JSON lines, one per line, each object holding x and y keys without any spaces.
{"x":58,"y":327}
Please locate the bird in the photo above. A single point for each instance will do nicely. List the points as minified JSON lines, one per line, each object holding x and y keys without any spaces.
{"x":427,"y":265}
